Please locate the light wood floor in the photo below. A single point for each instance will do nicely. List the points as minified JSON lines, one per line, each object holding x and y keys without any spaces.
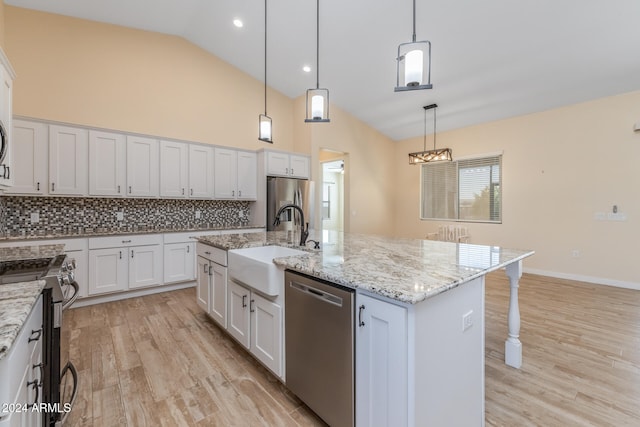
{"x":159,"y":361}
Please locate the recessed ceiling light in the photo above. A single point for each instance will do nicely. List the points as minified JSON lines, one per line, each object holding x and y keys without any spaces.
{"x":306,"y":69}
{"x":238,"y":23}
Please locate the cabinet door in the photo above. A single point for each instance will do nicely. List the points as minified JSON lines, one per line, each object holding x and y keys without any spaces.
{"x":6,"y":115}
{"x":201,"y":172}
{"x":238,"y":312}
{"x":68,"y":160}
{"x":381,"y":363}
{"x":226,"y":173}
{"x":178,"y":262}
{"x":30,"y":156}
{"x":143,"y":179}
{"x":266,"y":332}
{"x":107,"y":159}
{"x":203,"y":288}
{"x":107,"y":270}
{"x":277,"y":163}
{"x":247,"y":175}
{"x":173,"y":169}
{"x":299,"y":166}
{"x":218,"y":307}
{"x":145,"y":266}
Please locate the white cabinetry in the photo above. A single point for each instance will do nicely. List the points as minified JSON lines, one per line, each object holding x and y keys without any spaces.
{"x":179,"y":258}
{"x":287,"y":164}
{"x":68,"y":160}
{"x":201,"y":171}
{"x":6,"y":116}
{"x":256,"y":322}
{"x":142,"y":167}
{"x":174,"y":160}
{"x":212,"y":282}
{"x":235,"y":174}
{"x":107,"y":164}
{"x":418,"y":364}
{"x":124,"y":262}
{"x":30,"y":148}
{"x":21,"y":375}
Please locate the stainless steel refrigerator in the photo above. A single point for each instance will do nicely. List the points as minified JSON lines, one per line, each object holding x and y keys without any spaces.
{"x":282,"y":191}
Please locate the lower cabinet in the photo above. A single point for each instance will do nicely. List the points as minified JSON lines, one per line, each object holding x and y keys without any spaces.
{"x":256,"y":323}
{"x":179,"y":262}
{"x":212,"y":283}
{"x":128,"y":262}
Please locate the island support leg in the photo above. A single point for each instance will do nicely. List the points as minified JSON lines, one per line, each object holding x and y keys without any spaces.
{"x":513,"y":346}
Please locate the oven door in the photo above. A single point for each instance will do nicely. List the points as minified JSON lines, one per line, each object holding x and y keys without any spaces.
{"x":4,"y":142}
{"x":68,"y":374}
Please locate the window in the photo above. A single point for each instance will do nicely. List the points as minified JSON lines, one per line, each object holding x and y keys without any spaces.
{"x":463,"y":190}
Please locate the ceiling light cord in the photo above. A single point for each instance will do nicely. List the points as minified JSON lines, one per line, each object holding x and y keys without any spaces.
{"x":434,"y":128}
{"x":265,"y":57}
{"x":317,"y":44}
{"x":414,"y":21}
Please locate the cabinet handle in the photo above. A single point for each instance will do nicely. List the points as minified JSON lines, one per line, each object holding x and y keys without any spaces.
{"x":118,"y":189}
{"x":192,"y":191}
{"x":251,"y":309}
{"x":205,"y":269}
{"x":291,"y":171}
{"x":126,"y":241}
{"x":233,"y":193}
{"x":41,"y":366}
{"x":244,"y":301}
{"x":53,"y":186}
{"x":183,"y":191}
{"x":38,"y":186}
{"x":8,"y":170}
{"x":207,"y":252}
{"x":210,"y":270}
{"x":360,"y":321}
{"x":39,"y":332}
{"x":132,"y":254}
{"x":239,"y":193}
{"x":35,"y":384}
{"x":129,"y":189}
{"x":187,"y":248}
{"x":120,"y":254}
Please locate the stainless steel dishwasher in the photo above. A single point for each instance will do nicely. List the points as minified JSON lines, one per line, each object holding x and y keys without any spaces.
{"x":319,"y":346}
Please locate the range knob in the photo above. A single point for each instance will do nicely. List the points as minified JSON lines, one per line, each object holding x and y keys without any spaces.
{"x":66,"y":281}
{"x":72,"y":264}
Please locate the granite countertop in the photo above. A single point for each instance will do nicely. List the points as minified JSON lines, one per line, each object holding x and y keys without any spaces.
{"x":115,"y":231}
{"x":16,"y":302}
{"x":406,"y":270}
{"x":30,"y":252}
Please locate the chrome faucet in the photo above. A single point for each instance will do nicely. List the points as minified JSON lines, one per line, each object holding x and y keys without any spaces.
{"x":304,"y":232}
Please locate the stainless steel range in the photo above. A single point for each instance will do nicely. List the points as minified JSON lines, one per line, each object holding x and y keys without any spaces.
{"x":59,"y":293}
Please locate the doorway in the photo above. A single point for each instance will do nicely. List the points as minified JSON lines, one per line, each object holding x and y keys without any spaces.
{"x":332,"y":200}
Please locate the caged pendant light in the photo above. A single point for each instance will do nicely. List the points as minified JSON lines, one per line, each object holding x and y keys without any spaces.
{"x":264,"y":121}
{"x":435,"y":155}
{"x":317,"y":99}
{"x":413,"y":62}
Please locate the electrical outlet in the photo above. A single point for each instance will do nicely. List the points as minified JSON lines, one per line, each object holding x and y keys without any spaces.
{"x":120,"y":216}
{"x":35,"y":217}
{"x":240,"y":214}
{"x":198,"y":214}
{"x":467,"y":320}
{"x":575,"y":253}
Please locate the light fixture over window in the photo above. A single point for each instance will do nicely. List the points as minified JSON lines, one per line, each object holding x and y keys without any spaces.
{"x":317,"y":99}
{"x":264,"y":121}
{"x":435,"y":155}
{"x":413,"y":70}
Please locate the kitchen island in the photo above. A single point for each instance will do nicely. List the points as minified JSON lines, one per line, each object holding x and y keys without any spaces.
{"x":420,"y":321}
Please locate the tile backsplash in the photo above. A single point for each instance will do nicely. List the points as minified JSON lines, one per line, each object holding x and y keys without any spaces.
{"x":76,"y":214}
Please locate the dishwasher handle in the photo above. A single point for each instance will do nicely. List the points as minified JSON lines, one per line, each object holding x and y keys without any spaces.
{"x":317,"y":293}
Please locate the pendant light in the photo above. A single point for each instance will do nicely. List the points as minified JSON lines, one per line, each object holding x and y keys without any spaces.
{"x":264,"y":121}
{"x":435,"y":155}
{"x":413,"y":62}
{"x":317,"y":99}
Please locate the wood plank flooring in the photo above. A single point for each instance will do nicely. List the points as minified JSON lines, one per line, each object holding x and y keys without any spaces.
{"x":159,"y":361}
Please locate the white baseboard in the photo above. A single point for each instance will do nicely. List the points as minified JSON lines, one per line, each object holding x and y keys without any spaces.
{"x":99,"y":299}
{"x":588,"y":279}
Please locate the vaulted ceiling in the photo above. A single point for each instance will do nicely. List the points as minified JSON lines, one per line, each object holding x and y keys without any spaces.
{"x":491,"y":59}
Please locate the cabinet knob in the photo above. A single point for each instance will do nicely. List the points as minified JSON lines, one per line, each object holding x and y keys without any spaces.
{"x":118,"y":189}
{"x":129,"y":189}
{"x":53,"y":186}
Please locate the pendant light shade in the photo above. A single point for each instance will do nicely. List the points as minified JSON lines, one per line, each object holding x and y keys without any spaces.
{"x":264,"y":121}
{"x":317,"y":99}
{"x":413,"y":68}
{"x":435,"y":155}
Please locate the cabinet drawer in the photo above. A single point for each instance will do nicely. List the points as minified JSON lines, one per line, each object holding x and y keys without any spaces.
{"x":14,"y":364}
{"x":124,"y":241}
{"x":219,"y":256}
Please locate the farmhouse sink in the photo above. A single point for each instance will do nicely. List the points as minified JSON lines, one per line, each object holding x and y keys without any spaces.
{"x":254,"y":267}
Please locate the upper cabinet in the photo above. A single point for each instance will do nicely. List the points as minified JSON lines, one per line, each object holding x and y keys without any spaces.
{"x":235,"y":174}
{"x":201,"y":171}
{"x":6,"y":115}
{"x":107,"y":164}
{"x":68,"y":160}
{"x":286,"y":164}
{"x":30,"y":145}
{"x":174,"y":160}
{"x":143,"y":178}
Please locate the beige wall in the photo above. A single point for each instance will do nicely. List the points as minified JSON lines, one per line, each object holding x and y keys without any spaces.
{"x":2,"y":24}
{"x":95,"y":74}
{"x":560,"y":168}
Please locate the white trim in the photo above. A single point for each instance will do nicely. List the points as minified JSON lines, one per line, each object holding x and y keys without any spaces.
{"x":480,"y":156}
{"x":7,"y":65}
{"x":99,"y":299}
{"x":588,"y":279}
